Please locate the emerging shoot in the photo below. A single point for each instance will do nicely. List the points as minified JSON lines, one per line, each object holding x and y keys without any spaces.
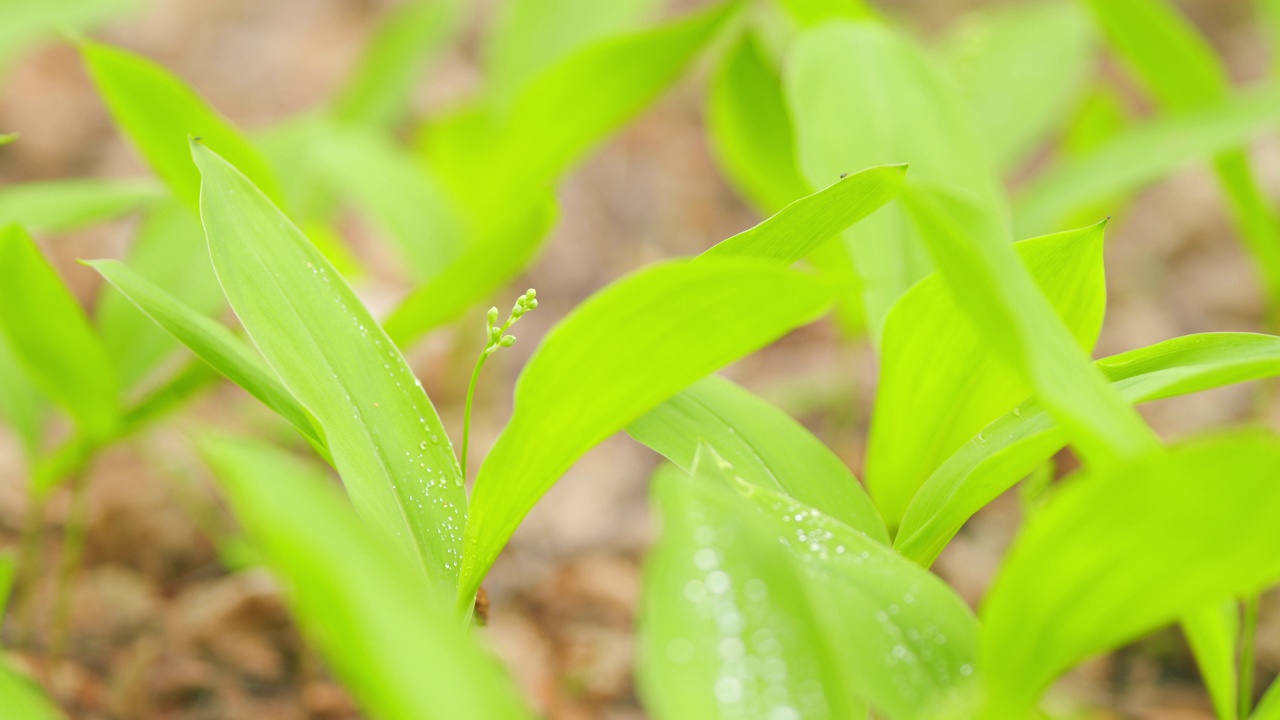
{"x":497,"y":338}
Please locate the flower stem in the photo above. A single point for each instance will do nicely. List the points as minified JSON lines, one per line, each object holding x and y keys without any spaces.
{"x":466,"y":412}
{"x":1248,"y":632}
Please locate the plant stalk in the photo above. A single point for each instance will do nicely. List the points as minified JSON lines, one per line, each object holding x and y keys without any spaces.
{"x":73,"y":542}
{"x":466,"y":411}
{"x":1248,"y":635}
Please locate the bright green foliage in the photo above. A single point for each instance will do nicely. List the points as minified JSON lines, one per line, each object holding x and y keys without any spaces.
{"x":1269,"y":706}
{"x":1079,"y":579}
{"x":1142,"y":155}
{"x":211,"y":342}
{"x":750,"y":128}
{"x":926,"y":409}
{"x":998,"y":294}
{"x":808,"y":222}
{"x":615,"y":357}
{"x":377,"y":93}
{"x":531,"y":35}
{"x":22,"y":698}
{"x":1211,"y":632}
{"x":862,"y":95}
{"x":28,"y":21}
{"x":52,"y":338}
{"x":1022,"y":67}
{"x":806,"y":13}
{"x":19,"y":399}
{"x":1015,"y":444}
{"x":384,"y":435}
{"x":61,"y":205}
{"x":391,"y":641}
{"x":763,"y":444}
{"x":6,"y":578}
{"x":169,"y":250}
{"x":898,"y":637}
{"x":158,"y":113}
{"x":6,"y":138}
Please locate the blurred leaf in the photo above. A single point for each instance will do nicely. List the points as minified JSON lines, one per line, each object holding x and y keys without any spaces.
{"x":999,"y":296}
{"x":750,"y":128}
{"x":158,"y":113}
{"x":52,"y":339}
{"x":20,"y":402}
{"x":763,"y":444}
{"x":28,"y":21}
{"x":1122,"y":551}
{"x":20,"y":697}
{"x":168,"y":250}
{"x":1141,"y":155}
{"x":399,"y":650}
{"x":1099,"y":118}
{"x":1269,"y":706}
{"x":482,"y":268}
{"x":615,"y":357}
{"x":528,"y":36}
{"x":926,"y":409}
{"x":62,"y":205}
{"x":211,"y":342}
{"x":378,"y":91}
{"x":384,"y":435}
{"x":861,"y":95}
{"x":810,"y":221}
{"x":6,"y":578}
{"x":1023,"y":68}
{"x":1013,"y":445}
{"x":1211,"y":632}
{"x":6,"y":138}
{"x":808,"y":13}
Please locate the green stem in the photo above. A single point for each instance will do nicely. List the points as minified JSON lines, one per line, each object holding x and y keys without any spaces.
{"x":73,"y":541}
{"x":466,"y":411}
{"x":1248,"y":633}
{"x":29,"y":569}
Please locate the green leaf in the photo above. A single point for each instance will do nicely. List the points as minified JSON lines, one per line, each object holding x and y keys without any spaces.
{"x":398,"y":649}
{"x":1122,"y":551}
{"x":7,"y":562}
{"x":765,"y":446}
{"x":384,"y":435}
{"x":20,"y":697}
{"x":1142,"y":155}
{"x":898,"y":637}
{"x":530,"y":35}
{"x":998,"y":294}
{"x":750,"y":128}
{"x":494,"y":159}
{"x":614,"y":358}
{"x":62,"y":205}
{"x":1269,"y":706}
{"x":211,"y":342}
{"x":1211,"y":632}
{"x":926,"y":409}
{"x":1015,"y":444}
{"x":6,"y":138}
{"x":483,"y":268}
{"x":1023,"y":68}
{"x":808,"y":13}
{"x":861,"y":95}
{"x":52,"y":338}
{"x":168,"y":250}
{"x":805,"y":224}
{"x":158,"y":113}
{"x":378,"y":91}
{"x":20,"y":402}
{"x":28,"y":21}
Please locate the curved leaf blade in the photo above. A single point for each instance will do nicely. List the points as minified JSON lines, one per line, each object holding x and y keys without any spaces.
{"x":62,"y":205}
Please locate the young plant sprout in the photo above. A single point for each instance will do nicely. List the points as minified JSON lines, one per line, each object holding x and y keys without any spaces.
{"x":497,"y":338}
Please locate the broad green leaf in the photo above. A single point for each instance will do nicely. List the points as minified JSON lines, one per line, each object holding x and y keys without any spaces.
{"x":384,"y":435}
{"x":378,"y":91}
{"x":396,"y":646}
{"x":530,"y":35}
{"x":398,"y":194}
{"x":1100,"y":116}
{"x":1022,"y":68}
{"x":899,"y":637}
{"x":52,"y":338}
{"x":1183,"y":74}
{"x":998,"y":294}
{"x":1211,"y":632}
{"x":496,"y":158}
{"x":482,"y":268}
{"x":1141,"y":155}
{"x":1015,"y":444}
{"x":61,"y":205}
{"x":20,"y":403}
{"x":1269,"y":706}
{"x":808,"y":13}
{"x":158,"y":113}
{"x":1121,"y":551}
{"x":861,"y":95}
{"x":750,"y":128}
{"x":812,"y":220}
{"x":763,"y":444}
{"x":211,"y":342}
{"x":926,"y":409}
{"x":614,"y":358}
{"x":28,"y":21}
{"x":169,"y":250}
{"x":20,"y":697}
